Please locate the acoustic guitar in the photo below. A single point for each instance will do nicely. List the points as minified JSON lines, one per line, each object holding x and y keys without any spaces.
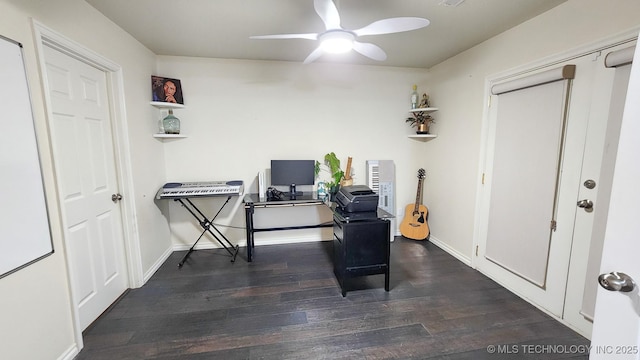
{"x":414,"y":225}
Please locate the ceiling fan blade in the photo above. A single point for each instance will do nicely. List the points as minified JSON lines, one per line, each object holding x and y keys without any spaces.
{"x":392,"y":25}
{"x":315,"y":54}
{"x":370,"y":50}
{"x":328,"y":12}
{"x":313,"y":36}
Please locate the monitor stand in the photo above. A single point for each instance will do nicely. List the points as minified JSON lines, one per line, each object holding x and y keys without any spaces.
{"x":292,"y":192}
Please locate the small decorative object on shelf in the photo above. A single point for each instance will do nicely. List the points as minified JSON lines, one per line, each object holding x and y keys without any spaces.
{"x":171,"y":124}
{"x":162,"y":134}
{"x":420,"y":117}
{"x":424,"y":103}
{"x":166,"y":90}
{"x":414,"y":97}
{"x":421,"y":121}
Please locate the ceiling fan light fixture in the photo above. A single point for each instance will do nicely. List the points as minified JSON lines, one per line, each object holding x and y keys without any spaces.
{"x":339,"y":40}
{"x":336,"y":42}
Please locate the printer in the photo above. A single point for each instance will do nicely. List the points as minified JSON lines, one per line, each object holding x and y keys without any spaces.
{"x":356,"y":198}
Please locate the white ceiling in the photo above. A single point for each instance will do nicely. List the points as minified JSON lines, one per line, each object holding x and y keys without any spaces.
{"x":221,"y":28}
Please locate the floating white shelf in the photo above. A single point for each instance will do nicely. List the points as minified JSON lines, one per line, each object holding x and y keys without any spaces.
{"x":166,"y":105}
{"x":423,"y":137}
{"x":427,"y":110}
{"x":169,"y":136}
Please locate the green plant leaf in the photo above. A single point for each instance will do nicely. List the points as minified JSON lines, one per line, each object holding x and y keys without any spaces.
{"x":333,"y":163}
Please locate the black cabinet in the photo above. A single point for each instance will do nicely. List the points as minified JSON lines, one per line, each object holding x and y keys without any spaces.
{"x":360,"y":247}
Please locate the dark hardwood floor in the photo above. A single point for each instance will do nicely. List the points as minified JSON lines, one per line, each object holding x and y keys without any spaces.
{"x":287,"y":305}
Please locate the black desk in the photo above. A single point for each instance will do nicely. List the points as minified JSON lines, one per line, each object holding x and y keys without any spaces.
{"x":361,"y":240}
{"x":252,"y":201}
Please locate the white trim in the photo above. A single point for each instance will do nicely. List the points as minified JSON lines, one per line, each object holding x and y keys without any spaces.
{"x":258,"y":242}
{"x":70,"y":353}
{"x":158,"y":263}
{"x":451,"y":251}
{"x":555,"y":59}
{"x":46,"y":36}
{"x":125,"y":172}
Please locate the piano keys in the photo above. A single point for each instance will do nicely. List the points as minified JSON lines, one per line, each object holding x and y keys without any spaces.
{"x":176,"y":190}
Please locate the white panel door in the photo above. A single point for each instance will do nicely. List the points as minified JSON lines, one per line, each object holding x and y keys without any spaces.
{"x":86,"y":175}
{"x":616,"y":327}
{"x":605,"y":117}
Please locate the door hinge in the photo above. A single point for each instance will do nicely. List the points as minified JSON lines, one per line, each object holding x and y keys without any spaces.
{"x":477,"y":250}
{"x":489,"y":101}
{"x":482,"y":178}
{"x":553,"y":225}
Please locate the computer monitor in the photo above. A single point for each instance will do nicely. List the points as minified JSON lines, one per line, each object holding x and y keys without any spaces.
{"x":293,"y":172}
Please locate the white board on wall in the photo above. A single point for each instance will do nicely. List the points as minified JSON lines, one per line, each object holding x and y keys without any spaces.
{"x":25,"y":235}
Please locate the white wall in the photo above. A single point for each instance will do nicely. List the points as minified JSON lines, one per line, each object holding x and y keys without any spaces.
{"x":458,"y":90}
{"x":35,"y":305}
{"x":241,"y":114}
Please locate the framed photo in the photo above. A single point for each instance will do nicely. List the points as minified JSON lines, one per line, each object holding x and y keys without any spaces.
{"x":166,"y":90}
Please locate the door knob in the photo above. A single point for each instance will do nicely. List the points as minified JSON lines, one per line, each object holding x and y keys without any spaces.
{"x":586,"y":204}
{"x":616,"y":281}
{"x":116,"y":197}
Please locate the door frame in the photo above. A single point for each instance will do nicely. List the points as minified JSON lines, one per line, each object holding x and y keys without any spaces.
{"x":45,"y":36}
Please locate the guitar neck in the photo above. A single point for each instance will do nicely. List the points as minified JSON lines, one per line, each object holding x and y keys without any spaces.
{"x":418,"y":196}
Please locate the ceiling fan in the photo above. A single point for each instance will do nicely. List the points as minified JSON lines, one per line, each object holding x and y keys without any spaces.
{"x":335,"y":39}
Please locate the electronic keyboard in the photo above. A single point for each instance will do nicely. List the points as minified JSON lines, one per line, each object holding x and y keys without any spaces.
{"x":200,"y":189}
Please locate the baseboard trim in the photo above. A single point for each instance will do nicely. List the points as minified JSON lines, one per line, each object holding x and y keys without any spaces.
{"x":70,"y":353}
{"x":258,"y":242}
{"x":157,"y":264}
{"x":451,"y":251}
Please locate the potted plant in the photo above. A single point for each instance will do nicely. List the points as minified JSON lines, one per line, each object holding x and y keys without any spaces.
{"x":420,"y":121}
{"x":333,"y":164}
